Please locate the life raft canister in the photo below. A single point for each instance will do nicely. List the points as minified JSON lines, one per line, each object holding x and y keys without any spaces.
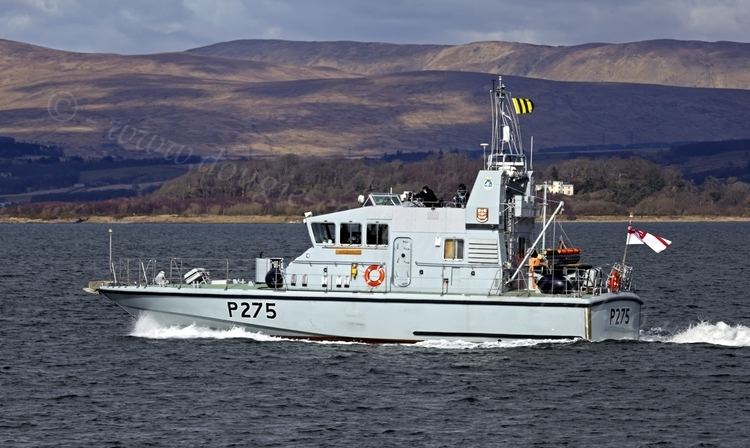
{"x":614,"y":281}
{"x":374,"y":275}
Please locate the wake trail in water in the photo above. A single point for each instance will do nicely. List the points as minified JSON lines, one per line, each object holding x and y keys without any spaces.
{"x":149,"y":328}
{"x":719,"y":333}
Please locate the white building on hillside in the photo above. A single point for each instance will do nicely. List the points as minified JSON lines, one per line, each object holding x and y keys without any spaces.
{"x":557,"y":187}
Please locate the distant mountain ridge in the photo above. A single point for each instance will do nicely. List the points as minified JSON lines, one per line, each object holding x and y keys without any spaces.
{"x":365,"y":58}
{"x":293,"y":101}
{"x":24,"y":64}
{"x":667,"y":62}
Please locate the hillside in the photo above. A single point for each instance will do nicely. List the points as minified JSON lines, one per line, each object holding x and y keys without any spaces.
{"x":667,"y":62}
{"x":109,"y":88}
{"x":368,"y":58}
{"x":364,"y":116}
{"x":181,"y":104}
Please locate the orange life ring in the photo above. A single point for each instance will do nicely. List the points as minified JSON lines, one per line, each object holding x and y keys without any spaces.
{"x":614,"y":281}
{"x":374,"y":282}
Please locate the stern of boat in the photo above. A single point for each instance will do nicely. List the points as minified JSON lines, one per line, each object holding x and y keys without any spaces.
{"x":615,"y":316}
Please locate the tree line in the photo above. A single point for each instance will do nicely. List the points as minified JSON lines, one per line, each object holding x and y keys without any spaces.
{"x":292,"y":185}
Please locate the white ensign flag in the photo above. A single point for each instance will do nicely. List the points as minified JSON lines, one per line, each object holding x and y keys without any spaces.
{"x":655,"y":242}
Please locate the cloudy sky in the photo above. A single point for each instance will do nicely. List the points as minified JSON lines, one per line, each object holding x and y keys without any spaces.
{"x":148,"y":26}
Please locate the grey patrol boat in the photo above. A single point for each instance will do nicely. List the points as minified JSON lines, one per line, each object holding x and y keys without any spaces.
{"x":397,"y":269}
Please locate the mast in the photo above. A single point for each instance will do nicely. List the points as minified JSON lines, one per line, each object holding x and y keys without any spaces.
{"x":507,"y":147}
{"x":517,"y":214}
{"x":627,"y":239}
{"x":544,"y":216}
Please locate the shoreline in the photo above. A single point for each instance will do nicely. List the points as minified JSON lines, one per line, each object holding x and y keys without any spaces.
{"x":665,"y":218}
{"x":159,"y":219}
{"x":274,"y":219}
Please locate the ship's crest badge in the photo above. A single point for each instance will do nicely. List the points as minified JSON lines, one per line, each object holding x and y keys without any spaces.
{"x":482,"y":214}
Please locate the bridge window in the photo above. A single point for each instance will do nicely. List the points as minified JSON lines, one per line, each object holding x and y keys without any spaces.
{"x":382,"y":199}
{"x":377,"y":234}
{"x":350,"y":233}
{"x":453,"y":249}
{"x":324,"y":232}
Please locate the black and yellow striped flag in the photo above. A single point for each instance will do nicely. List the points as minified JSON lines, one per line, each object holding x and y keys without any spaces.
{"x":523,"y":105}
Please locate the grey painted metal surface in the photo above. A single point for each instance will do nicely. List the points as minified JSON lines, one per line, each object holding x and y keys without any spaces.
{"x":392,"y":316}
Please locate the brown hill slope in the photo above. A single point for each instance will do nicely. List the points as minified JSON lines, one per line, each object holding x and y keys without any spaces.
{"x":371,"y":58}
{"x":414,"y":111}
{"x":27,"y":64}
{"x":668,"y":62}
{"x":95,"y":104}
{"x":161,"y":93}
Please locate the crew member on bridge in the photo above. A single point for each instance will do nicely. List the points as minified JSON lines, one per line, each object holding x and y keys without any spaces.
{"x":461,"y":197}
{"x":427,"y":196}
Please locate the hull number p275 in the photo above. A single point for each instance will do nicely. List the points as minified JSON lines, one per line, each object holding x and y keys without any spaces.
{"x":619,"y":316}
{"x":252,"y":310}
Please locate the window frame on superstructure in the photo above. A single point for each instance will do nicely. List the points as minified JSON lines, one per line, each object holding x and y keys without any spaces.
{"x":327,"y":242}
{"x":380,"y":242}
{"x":459,"y":253}
{"x":341,"y":234}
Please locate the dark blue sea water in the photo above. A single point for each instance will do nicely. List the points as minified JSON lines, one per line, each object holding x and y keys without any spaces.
{"x":77,"y":371}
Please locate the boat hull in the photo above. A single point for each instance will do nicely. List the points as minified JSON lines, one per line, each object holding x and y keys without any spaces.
{"x":388,"y":317}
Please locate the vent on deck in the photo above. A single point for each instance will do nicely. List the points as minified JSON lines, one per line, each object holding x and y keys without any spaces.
{"x":482,"y":251}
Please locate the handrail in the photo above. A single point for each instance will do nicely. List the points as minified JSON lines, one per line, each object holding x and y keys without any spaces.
{"x":456,"y":265}
{"x":335,"y":262}
{"x":148,"y":268}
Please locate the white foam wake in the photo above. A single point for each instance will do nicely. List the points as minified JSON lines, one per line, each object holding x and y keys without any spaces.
{"x":719,"y":333}
{"x":148,"y":327}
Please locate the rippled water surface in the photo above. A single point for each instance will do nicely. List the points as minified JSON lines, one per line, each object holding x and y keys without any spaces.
{"x":77,"y":371}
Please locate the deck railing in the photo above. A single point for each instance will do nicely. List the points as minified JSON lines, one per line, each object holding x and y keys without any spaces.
{"x":577,"y":281}
{"x":144,"y":271}
{"x":596,"y":281}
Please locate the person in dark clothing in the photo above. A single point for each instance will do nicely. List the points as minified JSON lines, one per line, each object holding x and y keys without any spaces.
{"x":461,"y":197}
{"x":427,"y":196}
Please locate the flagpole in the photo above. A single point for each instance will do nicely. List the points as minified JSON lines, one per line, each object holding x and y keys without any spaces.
{"x":627,"y":239}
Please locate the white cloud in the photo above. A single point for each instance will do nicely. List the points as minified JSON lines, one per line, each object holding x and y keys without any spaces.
{"x":50,"y":7}
{"x":717,"y":19}
{"x":17,"y":23}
